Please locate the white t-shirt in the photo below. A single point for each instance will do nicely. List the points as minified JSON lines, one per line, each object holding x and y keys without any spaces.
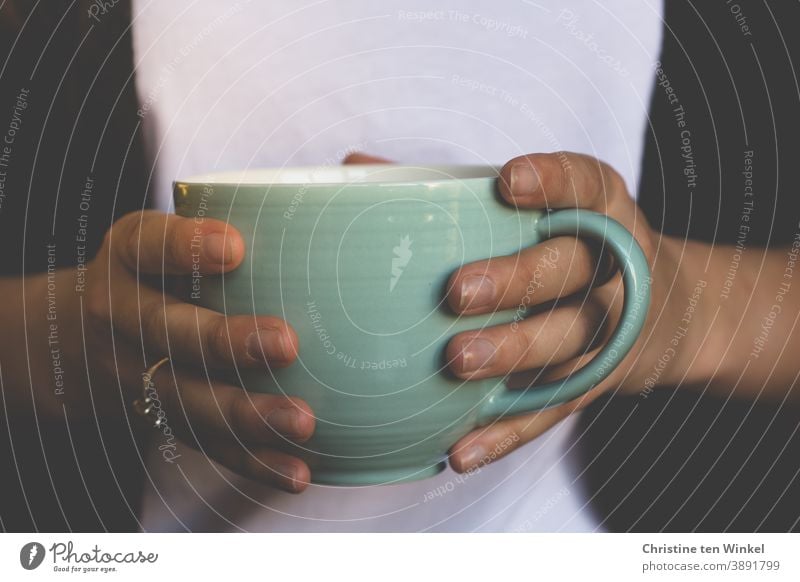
{"x":262,"y":84}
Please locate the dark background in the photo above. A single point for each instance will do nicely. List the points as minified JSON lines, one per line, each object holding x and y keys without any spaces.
{"x":674,"y":461}
{"x":59,"y":476}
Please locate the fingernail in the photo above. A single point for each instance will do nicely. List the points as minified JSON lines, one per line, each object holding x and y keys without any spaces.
{"x":217,"y":248}
{"x":288,"y":472}
{"x":472,"y":457}
{"x":476,"y":291}
{"x":284,"y":420}
{"x":477,"y":354}
{"x":269,"y":344}
{"x":524,"y":180}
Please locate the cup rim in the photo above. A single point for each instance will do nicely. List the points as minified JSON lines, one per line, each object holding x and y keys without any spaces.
{"x":345,"y":175}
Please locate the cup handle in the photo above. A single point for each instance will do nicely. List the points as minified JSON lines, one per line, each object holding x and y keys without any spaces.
{"x":636,"y":278}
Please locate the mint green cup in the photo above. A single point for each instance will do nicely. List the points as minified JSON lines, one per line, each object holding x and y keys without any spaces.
{"x":357,"y":259}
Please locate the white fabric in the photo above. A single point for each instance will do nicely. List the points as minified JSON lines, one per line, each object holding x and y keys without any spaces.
{"x":262,"y":84}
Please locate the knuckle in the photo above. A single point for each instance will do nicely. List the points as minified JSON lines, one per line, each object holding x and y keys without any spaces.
{"x":218,"y":340}
{"x":534,"y":274}
{"x":532,"y":288}
{"x":119,"y":236}
{"x":154,"y":327}
{"x":579,"y":264}
{"x":612,"y":179}
{"x":528,"y":274}
{"x":98,"y":309}
{"x":641,"y":231}
{"x":561,"y":166}
{"x":522,"y":345}
{"x":127,"y":223}
{"x":106,"y":244}
{"x":173,"y":242}
{"x":241,"y":414}
{"x":130,"y":237}
{"x":167,"y":390}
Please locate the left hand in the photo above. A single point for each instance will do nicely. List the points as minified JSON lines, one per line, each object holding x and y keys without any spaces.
{"x":551,"y":343}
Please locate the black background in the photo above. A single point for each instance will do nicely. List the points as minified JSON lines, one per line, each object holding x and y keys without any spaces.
{"x":674,"y":461}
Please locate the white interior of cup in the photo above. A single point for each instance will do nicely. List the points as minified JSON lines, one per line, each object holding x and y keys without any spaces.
{"x":369,"y":173}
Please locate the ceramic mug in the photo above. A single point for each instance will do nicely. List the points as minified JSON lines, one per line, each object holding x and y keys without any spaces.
{"x":356,"y":259}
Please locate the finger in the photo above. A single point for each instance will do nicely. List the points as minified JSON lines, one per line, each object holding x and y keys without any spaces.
{"x":487,"y":444}
{"x":556,"y":268}
{"x":362,"y":158}
{"x":560,"y":180}
{"x":197,"y":335}
{"x":188,"y":333}
{"x":264,"y":465}
{"x":207,"y":413}
{"x":155,"y":243}
{"x":544,"y":339}
{"x":490,"y":443}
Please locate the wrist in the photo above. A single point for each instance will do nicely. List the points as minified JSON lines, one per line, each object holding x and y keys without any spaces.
{"x":56,"y":343}
{"x":684,"y":347}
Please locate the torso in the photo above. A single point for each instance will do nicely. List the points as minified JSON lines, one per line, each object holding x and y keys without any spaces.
{"x":295,"y":83}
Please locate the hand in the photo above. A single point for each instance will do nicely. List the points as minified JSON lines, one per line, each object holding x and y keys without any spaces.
{"x":563,"y":271}
{"x":131,"y":314}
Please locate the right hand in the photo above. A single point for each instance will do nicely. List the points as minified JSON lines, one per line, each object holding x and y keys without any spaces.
{"x":131,"y":314}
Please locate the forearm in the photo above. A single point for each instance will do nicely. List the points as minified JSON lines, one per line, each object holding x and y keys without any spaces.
{"x":40,"y":347}
{"x":733,"y":313}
